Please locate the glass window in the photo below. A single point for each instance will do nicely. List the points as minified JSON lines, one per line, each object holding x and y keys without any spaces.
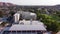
{"x":33,"y":32}
{"x":6,"y":32}
{"x":28,"y":32}
{"x":9,"y":32}
{"x":18,"y":32}
{"x":13,"y":32}
{"x":39,"y":33}
{"x":23,"y":32}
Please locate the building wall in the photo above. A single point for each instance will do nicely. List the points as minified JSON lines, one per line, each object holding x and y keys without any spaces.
{"x":27,"y":15}
{"x":22,"y":32}
{"x":16,"y":17}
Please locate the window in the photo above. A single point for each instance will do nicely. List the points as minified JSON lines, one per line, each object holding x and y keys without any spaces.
{"x":22,"y":32}
{"x":18,"y":32}
{"x":39,"y":32}
{"x":13,"y":32}
{"x":6,"y":32}
{"x":28,"y":32}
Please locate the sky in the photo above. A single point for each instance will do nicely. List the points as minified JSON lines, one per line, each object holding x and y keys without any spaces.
{"x":33,"y":2}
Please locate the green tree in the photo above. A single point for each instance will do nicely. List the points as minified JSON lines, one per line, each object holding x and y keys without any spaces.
{"x":1,"y":14}
{"x":12,"y":13}
{"x":51,"y":23}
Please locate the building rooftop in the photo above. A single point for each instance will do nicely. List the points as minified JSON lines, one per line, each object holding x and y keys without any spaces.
{"x":32,"y":14}
{"x":26,"y":12}
{"x":18,"y":27}
{"x":29,"y":22}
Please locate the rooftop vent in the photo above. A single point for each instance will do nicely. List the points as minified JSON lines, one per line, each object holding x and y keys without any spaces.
{"x":31,"y":22}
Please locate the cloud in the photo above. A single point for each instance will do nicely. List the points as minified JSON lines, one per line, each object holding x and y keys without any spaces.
{"x":33,"y":2}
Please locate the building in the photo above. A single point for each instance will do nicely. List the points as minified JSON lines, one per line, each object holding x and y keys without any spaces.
{"x":27,"y":15}
{"x":24,"y":15}
{"x":16,"y":17}
{"x":26,"y":28}
{"x":30,"y":22}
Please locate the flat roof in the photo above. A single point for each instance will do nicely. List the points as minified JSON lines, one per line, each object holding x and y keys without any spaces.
{"x":34,"y":22}
{"x":18,"y":27}
{"x":26,"y":12}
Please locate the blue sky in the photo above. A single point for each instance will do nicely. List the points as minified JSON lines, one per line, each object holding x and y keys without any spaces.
{"x":33,"y":2}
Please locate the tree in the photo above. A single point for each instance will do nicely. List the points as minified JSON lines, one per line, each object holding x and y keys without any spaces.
{"x":1,"y":14}
{"x":51,"y":23}
{"x":12,"y":13}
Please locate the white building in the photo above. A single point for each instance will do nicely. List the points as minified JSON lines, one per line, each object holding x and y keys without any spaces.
{"x":24,"y":15}
{"x":16,"y":17}
{"x":24,"y":27}
{"x":27,"y":15}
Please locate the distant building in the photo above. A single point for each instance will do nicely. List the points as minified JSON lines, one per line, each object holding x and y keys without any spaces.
{"x":24,"y":15}
{"x":27,"y":15}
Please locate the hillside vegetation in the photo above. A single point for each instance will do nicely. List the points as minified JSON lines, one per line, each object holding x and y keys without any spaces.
{"x":49,"y":15}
